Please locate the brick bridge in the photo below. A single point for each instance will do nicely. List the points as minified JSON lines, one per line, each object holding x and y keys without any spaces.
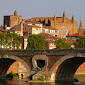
{"x":56,"y":64}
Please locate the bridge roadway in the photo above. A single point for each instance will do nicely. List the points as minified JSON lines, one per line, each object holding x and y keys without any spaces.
{"x":41,"y":52}
{"x":55,"y":64}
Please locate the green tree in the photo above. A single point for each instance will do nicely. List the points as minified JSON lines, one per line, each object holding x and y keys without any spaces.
{"x":2,"y":39}
{"x":36,"y":42}
{"x":10,"y":40}
{"x":60,"y":43}
{"x":81,"y":41}
{"x":76,"y":44}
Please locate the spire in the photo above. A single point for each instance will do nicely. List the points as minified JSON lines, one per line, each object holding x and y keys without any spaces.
{"x":54,"y":21}
{"x":64,"y":14}
{"x":15,"y":13}
{"x":72,"y":19}
{"x":54,"y":17}
{"x":81,"y":25}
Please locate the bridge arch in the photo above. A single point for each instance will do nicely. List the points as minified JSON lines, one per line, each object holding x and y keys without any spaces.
{"x":7,"y":60}
{"x":65,"y":67}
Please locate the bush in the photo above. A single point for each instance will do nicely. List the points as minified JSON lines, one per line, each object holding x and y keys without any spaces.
{"x":41,"y":78}
{"x":80,"y":75}
{"x":9,"y":76}
{"x":15,"y":75}
{"x":30,"y":77}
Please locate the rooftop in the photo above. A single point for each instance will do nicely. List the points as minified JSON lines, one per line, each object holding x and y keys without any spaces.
{"x":47,"y":27}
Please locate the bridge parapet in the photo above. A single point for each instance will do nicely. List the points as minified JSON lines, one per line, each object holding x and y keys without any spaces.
{"x":41,"y":52}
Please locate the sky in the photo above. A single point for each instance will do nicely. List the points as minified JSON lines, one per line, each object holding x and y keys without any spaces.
{"x":44,"y":8}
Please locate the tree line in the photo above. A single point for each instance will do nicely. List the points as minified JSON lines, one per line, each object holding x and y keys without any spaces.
{"x":10,"y":40}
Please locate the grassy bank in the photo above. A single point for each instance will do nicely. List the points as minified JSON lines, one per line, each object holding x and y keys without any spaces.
{"x":79,"y":75}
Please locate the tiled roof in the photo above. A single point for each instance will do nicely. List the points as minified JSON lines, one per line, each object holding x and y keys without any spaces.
{"x":47,"y":27}
{"x":2,"y":30}
{"x":17,"y":28}
{"x":24,"y":36}
{"x":58,"y":19}
{"x":49,"y":37}
{"x":32,"y":22}
{"x":77,"y":35}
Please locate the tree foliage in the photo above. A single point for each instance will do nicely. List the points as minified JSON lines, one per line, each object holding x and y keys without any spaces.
{"x":36,"y":42}
{"x":60,"y":43}
{"x":76,"y":44}
{"x":81,"y":41}
{"x":10,"y":40}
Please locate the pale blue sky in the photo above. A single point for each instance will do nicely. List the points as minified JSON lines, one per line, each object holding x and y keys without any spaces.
{"x":43,"y":8}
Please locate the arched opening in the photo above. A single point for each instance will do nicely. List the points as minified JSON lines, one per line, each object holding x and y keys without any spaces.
{"x":67,"y":68}
{"x":4,"y":65}
{"x":6,"y":61}
{"x":40,"y":63}
{"x":18,"y":70}
{"x":80,"y":72}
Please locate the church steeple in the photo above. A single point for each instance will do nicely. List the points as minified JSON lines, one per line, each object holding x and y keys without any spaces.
{"x":72,"y":19}
{"x":15,"y":13}
{"x":64,"y":14}
{"x":81,"y":25}
{"x":54,"y":17}
{"x":54,"y":21}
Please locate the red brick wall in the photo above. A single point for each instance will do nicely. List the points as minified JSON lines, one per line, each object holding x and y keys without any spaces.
{"x":13,"y":68}
{"x":81,"y":69}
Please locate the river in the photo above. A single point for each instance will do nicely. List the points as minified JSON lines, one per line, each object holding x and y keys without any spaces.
{"x":22,"y":82}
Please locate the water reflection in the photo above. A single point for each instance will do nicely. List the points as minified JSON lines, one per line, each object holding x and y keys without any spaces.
{"x":22,"y":82}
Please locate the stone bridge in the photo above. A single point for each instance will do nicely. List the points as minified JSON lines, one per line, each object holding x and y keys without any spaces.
{"x":56,"y":64}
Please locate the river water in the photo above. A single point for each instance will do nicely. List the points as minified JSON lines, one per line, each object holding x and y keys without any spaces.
{"x":23,"y":82}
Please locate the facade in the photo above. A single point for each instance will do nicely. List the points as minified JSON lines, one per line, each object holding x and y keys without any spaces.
{"x":63,"y":24}
{"x":24,"y":29}
{"x":51,"y":31}
{"x":12,"y":20}
{"x":35,"y":23}
{"x":25,"y":38}
{"x":17,"y":67}
{"x":50,"y":40}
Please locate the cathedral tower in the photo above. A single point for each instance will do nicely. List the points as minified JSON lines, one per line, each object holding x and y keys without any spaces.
{"x":15,"y":13}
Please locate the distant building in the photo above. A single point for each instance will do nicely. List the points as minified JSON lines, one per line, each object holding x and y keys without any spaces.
{"x":25,"y":29}
{"x":34,"y":23}
{"x":51,"y":31}
{"x":63,"y":24}
{"x":12,"y":20}
{"x":50,"y":40}
{"x":2,"y":30}
{"x":81,"y":30}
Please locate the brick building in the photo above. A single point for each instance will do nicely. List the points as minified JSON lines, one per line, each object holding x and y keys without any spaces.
{"x":63,"y":24}
{"x":12,"y":20}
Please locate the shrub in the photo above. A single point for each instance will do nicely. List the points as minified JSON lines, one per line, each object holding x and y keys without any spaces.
{"x":9,"y":76}
{"x":41,"y":78}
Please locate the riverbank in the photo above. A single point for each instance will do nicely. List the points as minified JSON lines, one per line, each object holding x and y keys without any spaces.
{"x":79,"y":76}
{"x":40,"y":81}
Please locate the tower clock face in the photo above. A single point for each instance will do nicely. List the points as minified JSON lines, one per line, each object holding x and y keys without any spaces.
{"x":64,"y":31}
